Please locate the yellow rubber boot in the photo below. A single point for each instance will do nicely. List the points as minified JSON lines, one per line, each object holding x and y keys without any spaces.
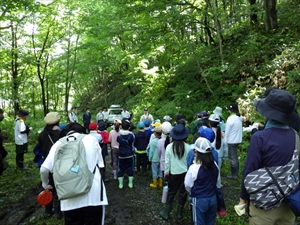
{"x":160,"y":182}
{"x":154,"y":184}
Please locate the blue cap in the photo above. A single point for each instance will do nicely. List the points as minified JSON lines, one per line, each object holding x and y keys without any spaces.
{"x":207,"y":133}
{"x":147,"y":123}
{"x":141,"y":125}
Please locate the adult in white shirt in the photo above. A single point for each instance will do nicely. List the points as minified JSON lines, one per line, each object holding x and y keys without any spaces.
{"x":89,"y":207}
{"x":233,"y":135}
{"x":105,"y":114}
{"x":100,"y":116}
{"x":73,"y":116}
{"x":125,"y":114}
{"x":146,"y":116}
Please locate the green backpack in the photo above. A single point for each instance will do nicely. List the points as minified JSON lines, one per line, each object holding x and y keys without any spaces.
{"x":71,"y":174}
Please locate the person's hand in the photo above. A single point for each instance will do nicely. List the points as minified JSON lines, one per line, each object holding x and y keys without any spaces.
{"x":240,"y":208}
{"x":47,"y":186}
{"x":166,"y":177}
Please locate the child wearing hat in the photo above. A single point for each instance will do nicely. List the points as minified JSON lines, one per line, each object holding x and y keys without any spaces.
{"x":93,"y":127}
{"x":21,"y":132}
{"x":175,"y":169}
{"x":200,"y":181}
{"x":126,"y":159}
{"x":163,"y":143}
{"x":141,"y":143}
{"x":50,"y":134}
{"x":218,"y":143}
{"x":105,"y":137}
{"x":154,"y":159}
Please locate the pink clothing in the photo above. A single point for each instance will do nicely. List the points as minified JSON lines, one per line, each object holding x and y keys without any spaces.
{"x":113,"y":134}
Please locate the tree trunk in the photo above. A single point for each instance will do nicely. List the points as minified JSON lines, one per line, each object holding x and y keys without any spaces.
{"x":271,"y":15}
{"x":14,"y":68}
{"x":253,"y":13}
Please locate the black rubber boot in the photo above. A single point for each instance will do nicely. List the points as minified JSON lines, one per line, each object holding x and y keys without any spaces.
{"x":179,"y":211}
{"x":165,"y":213}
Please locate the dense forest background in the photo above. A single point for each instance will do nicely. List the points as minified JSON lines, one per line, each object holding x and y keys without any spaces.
{"x":169,"y":55}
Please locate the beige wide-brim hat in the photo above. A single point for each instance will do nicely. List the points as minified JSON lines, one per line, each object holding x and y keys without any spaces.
{"x":52,"y":118}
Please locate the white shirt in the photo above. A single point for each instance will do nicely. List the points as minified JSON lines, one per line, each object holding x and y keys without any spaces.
{"x":19,"y":127}
{"x":73,"y":117}
{"x":96,"y":135}
{"x":234,"y":130}
{"x":105,"y":115}
{"x":125,"y":114}
{"x":99,"y":116}
{"x":147,"y":117}
{"x":93,"y":157}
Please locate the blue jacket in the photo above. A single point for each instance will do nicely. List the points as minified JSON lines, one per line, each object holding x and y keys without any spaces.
{"x":125,"y":145}
{"x":141,"y":140}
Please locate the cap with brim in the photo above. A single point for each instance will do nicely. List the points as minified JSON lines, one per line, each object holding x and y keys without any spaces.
{"x":156,"y":124}
{"x":101,"y":125}
{"x":214,"y":118}
{"x":141,"y":125}
{"x":279,"y":105}
{"x":179,"y":132}
{"x":93,"y":126}
{"x":23,"y":113}
{"x":167,"y":118}
{"x":233,"y":107}
{"x":147,"y":123}
{"x":145,"y":109}
{"x":207,"y":133}
{"x":202,"y":145}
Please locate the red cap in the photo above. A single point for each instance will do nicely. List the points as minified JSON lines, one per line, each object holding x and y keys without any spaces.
{"x":93,"y":126}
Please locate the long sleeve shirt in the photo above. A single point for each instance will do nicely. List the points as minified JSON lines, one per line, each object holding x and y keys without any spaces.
{"x":234,"y":129}
{"x":174,"y":165}
{"x":113,"y":135}
{"x":269,"y":147}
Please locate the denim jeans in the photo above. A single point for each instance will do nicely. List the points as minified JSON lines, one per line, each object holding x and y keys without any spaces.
{"x":204,"y":210}
{"x":156,"y":171}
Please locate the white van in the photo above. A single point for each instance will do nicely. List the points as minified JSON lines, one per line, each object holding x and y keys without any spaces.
{"x":114,"y":113}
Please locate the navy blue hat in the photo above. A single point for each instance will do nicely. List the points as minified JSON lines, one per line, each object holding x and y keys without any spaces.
{"x":179,"y":132}
{"x":101,"y":125}
{"x":279,"y":105}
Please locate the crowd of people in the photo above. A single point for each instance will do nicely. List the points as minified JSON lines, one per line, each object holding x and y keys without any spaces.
{"x":161,"y":148}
